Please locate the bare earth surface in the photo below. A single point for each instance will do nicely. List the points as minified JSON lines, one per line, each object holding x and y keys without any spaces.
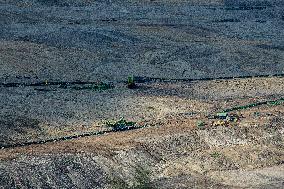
{"x":106,"y":41}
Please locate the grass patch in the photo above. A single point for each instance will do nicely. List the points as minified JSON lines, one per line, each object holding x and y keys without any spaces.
{"x":215,"y":155}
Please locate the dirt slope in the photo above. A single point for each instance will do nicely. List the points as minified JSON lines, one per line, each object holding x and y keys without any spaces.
{"x":43,"y":42}
{"x":172,"y":153}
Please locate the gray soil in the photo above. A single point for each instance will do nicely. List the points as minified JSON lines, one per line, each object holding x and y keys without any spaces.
{"x":106,"y":41}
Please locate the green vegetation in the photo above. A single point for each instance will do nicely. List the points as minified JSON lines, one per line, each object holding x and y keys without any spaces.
{"x":200,"y":124}
{"x":120,"y":125}
{"x":141,"y":178}
{"x":215,"y":155}
{"x":272,"y":102}
{"x":77,"y":85}
{"x":256,"y":114}
{"x":222,"y":114}
{"x":131,"y":82}
{"x":276,"y":102}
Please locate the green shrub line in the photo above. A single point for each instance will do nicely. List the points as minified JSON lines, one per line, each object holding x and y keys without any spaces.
{"x":77,"y":85}
{"x":140,"y":79}
{"x":47,"y":83}
{"x":270,"y":102}
{"x":116,"y":126}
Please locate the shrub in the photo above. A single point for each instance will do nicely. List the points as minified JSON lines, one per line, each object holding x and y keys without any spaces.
{"x":120,"y":125}
{"x":215,"y":155}
{"x":130,"y":82}
{"x":200,"y":124}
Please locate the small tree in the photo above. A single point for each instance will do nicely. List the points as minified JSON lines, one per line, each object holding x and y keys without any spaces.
{"x":130,"y":82}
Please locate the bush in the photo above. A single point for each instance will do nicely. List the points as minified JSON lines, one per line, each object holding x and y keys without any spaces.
{"x":200,"y":124}
{"x":130,"y":82}
{"x":215,"y":155}
{"x":120,"y":125}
